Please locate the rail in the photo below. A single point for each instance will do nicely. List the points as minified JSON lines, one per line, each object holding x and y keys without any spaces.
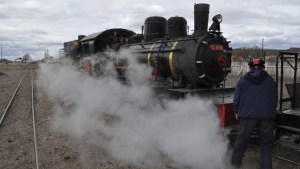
{"x":32,"y":110}
{"x":278,"y":157}
{"x":12,"y":98}
{"x":33,"y":123}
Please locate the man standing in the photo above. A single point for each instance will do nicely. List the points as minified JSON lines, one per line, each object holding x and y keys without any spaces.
{"x":254,"y":102}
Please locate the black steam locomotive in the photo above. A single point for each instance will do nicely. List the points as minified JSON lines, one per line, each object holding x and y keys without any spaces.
{"x":186,"y":64}
{"x":202,"y":59}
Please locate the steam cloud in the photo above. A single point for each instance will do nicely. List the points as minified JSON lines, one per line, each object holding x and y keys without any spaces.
{"x":129,"y":121}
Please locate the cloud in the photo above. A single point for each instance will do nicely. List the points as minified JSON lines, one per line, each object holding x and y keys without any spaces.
{"x":63,"y":21}
{"x":32,"y":5}
{"x":3,"y":16}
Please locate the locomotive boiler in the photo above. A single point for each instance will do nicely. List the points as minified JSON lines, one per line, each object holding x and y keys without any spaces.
{"x":200,"y":60}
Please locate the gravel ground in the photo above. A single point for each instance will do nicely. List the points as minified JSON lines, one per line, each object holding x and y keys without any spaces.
{"x":57,"y":150}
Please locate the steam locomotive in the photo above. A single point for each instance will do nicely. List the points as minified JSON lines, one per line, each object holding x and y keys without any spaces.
{"x":202,"y":59}
{"x":185,"y":64}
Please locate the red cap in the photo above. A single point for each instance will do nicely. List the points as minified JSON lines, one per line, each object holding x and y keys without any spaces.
{"x":257,"y":62}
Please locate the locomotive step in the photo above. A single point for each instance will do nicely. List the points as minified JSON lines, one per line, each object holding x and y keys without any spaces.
{"x":288,"y":129}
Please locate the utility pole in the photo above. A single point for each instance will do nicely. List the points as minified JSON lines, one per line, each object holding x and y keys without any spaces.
{"x":1,"y":52}
{"x":262,"y":49}
{"x":46,"y":54}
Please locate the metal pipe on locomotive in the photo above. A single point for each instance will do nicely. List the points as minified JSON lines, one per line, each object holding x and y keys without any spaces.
{"x":202,"y":59}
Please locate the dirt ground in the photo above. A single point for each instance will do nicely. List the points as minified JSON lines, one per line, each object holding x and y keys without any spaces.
{"x":59,"y":151}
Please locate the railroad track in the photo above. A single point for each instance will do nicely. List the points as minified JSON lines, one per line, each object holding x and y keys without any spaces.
{"x":18,"y":122}
{"x":57,"y":151}
{"x":282,"y":157}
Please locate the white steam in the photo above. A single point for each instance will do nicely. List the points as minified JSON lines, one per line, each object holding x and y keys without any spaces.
{"x":130,"y":122}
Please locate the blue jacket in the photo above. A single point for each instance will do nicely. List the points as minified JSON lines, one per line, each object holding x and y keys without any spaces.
{"x":255,"y":96}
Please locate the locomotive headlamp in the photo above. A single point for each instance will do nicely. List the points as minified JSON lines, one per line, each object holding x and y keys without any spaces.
{"x":215,"y":27}
{"x":217,"y":18}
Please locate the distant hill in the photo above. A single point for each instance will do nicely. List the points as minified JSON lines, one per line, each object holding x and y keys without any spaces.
{"x":256,"y":52}
{"x":5,"y":61}
{"x":294,"y":50}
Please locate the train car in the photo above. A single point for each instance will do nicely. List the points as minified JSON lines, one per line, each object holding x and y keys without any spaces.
{"x":288,"y":115}
{"x":71,"y":50}
{"x":93,"y":47}
{"x":108,"y":39}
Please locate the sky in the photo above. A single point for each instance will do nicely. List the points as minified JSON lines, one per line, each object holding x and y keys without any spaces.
{"x":34,"y":26}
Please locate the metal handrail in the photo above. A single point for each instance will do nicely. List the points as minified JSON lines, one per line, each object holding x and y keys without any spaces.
{"x":284,"y":56}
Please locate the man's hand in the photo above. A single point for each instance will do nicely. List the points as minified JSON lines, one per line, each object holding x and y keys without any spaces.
{"x":236,"y":115}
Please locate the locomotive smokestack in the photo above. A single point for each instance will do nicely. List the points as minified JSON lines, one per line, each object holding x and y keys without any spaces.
{"x":80,"y":37}
{"x":201,"y":13}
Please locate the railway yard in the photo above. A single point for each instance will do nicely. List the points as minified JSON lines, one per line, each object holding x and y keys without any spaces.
{"x":52,"y":149}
